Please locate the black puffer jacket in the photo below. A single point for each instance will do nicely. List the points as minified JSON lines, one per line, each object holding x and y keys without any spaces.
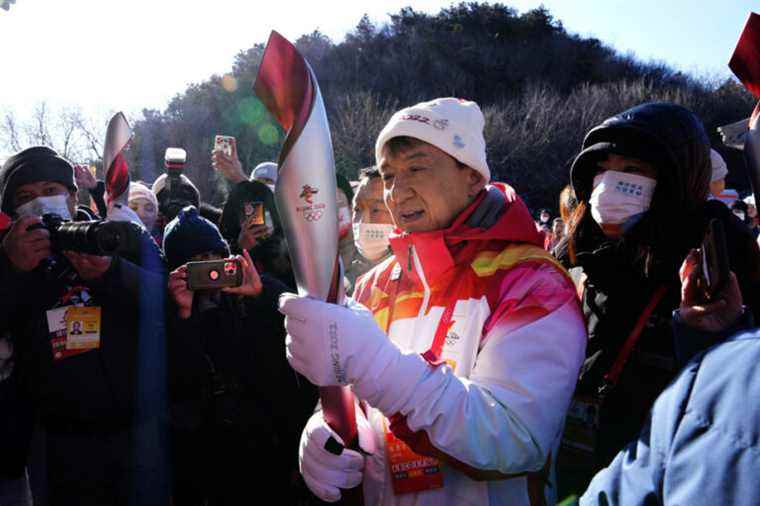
{"x":95,"y":390}
{"x":621,"y":275}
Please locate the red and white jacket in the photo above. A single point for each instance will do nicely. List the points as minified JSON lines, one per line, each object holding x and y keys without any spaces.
{"x":514,"y":338}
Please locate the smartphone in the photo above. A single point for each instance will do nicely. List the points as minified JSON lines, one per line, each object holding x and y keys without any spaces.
{"x":253,"y":214}
{"x":715,"y":268}
{"x":224,"y":144}
{"x":214,"y":274}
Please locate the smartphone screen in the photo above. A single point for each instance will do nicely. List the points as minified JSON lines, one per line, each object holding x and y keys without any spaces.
{"x":253,"y":214}
{"x":224,"y":144}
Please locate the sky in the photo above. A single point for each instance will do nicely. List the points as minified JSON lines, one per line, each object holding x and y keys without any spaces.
{"x":106,"y":55}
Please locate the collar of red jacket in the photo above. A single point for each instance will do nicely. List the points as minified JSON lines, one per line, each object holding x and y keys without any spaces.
{"x":440,"y":250}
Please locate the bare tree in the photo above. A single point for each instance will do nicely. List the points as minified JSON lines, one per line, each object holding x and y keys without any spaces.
{"x":75,"y":135}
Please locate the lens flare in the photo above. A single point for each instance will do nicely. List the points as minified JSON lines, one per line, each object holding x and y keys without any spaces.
{"x":268,"y":134}
{"x":250,"y":111}
{"x":229,"y":83}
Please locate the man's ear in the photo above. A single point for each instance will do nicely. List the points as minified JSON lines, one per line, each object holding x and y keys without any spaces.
{"x":475,"y":181}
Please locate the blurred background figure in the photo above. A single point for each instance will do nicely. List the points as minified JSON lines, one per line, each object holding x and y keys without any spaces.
{"x":265,"y":172}
{"x":718,"y":175}
{"x":346,"y":248}
{"x":169,"y":206}
{"x":143,"y":201}
{"x":753,"y":220}
{"x":260,"y":234}
{"x":372,"y":224}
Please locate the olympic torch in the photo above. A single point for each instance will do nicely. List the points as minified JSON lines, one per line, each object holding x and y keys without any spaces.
{"x":745,"y":63}
{"x":305,"y":195}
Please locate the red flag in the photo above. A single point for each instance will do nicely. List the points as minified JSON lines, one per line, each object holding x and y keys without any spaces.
{"x":745,"y":62}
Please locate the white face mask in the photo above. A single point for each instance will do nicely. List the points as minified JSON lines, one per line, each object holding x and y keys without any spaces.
{"x":371,"y":239}
{"x":57,"y":204}
{"x":619,"y":196}
{"x":740,"y":215}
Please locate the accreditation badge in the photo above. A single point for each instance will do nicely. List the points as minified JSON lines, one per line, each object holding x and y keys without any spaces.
{"x":68,"y":338}
{"x":83,"y":328}
{"x":410,"y":472}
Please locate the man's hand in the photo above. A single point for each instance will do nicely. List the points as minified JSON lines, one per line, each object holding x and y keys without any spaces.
{"x":696,"y":312}
{"x":248,"y":238}
{"x":332,"y":344}
{"x":84,"y":177}
{"x":251,"y":286}
{"x":181,"y":294}
{"x":89,"y":267}
{"x":26,"y":248}
{"x":324,"y":472}
{"x":230,"y":166}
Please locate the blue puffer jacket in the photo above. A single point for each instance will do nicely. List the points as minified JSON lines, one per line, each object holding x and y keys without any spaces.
{"x":701,"y":445}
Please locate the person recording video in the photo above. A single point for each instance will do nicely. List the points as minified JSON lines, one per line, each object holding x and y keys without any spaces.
{"x":83,"y":390}
{"x":233,"y":396}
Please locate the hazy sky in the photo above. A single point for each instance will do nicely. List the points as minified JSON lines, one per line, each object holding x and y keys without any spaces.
{"x":106,"y":55}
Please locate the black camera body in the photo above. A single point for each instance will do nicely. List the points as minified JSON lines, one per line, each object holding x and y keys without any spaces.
{"x":102,"y":238}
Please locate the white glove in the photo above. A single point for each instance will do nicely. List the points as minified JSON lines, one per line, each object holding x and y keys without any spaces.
{"x":324,"y":472}
{"x":340,"y":345}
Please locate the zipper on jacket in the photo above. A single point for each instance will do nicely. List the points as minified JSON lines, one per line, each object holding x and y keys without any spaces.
{"x":421,"y":274}
{"x":409,"y":260}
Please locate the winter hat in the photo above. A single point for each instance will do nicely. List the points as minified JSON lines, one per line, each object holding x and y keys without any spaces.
{"x":33,"y":165}
{"x":160,"y":184}
{"x":265,"y":170}
{"x":719,"y":167}
{"x":750,"y":201}
{"x":453,"y":125}
{"x":141,"y":191}
{"x":190,"y":234}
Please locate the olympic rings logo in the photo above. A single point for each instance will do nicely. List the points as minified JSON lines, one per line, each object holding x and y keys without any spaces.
{"x":313,"y":215}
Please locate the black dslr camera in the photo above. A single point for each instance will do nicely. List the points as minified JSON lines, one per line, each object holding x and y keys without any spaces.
{"x":102,"y":238}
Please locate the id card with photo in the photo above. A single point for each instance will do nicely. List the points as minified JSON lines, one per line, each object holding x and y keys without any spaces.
{"x":83,"y":328}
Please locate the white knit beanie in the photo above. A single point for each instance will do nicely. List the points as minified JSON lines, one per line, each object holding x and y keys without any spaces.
{"x":140,"y":191}
{"x":266,"y":170}
{"x":453,"y":125}
{"x":719,"y":167}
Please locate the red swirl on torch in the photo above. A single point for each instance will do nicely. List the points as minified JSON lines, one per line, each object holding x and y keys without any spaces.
{"x":118,"y":135}
{"x":745,"y":63}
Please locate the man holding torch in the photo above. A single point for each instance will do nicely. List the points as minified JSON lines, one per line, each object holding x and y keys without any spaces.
{"x":463,"y":348}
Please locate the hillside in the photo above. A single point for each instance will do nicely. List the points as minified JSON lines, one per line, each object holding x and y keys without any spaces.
{"x":540,"y":87}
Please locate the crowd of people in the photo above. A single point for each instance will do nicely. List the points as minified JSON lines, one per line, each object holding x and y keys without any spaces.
{"x":495,"y":358}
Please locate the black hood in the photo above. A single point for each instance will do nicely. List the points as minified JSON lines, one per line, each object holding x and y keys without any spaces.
{"x":668,"y":135}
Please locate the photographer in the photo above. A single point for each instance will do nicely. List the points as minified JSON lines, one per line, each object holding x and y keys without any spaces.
{"x":265,"y":242}
{"x":170,"y":202}
{"x":83,"y":387}
{"x":233,"y":398}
